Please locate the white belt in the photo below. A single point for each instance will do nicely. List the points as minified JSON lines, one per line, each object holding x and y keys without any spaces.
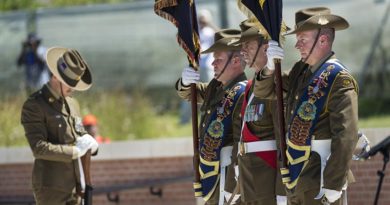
{"x":258,"y":146}
{"x":225,"y":160}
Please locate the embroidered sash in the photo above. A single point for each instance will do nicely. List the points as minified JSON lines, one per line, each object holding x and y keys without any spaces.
{"x":304,"y":120}
{"x":211,"y":144}
{"x":253,"y":113}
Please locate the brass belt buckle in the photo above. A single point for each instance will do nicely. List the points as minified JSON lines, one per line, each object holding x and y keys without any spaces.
{"x":242,"y":148}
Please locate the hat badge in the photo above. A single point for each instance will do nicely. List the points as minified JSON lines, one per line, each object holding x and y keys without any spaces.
{"x":323,"y":21}
{"x":234,"y":40}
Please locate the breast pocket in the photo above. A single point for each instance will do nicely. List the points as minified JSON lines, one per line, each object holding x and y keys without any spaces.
{"x":78,"y":125}
{"x":56,"y":128}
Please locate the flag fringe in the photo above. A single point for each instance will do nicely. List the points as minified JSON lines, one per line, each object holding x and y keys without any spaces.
{"x":161,"y":4}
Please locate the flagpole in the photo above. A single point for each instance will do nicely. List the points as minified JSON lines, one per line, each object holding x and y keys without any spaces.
{"x":280,"y":113}
{"x":195,"y":136}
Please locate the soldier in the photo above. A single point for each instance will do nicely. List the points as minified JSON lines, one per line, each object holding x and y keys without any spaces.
{"x":321,"y":111}
{"x":257,"y":161}
{"x":53,"y":128}
{"x":220,"y":122}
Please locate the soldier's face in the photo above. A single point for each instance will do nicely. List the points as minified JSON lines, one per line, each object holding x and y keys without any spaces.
{"x":60,"y":87}
{"x":305,"y":41}
{"x":220,"y":59}
{"x":248,"y":52}
{"x":232,"y":61}
{"x":67,"y":91}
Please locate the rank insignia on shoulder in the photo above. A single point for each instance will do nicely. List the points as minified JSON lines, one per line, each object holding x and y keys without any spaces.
{"x":347,"y":82}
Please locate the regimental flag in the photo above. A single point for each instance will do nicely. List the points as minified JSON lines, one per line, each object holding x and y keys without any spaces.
{"x":268,"y":13}
{"x":182,"y":13}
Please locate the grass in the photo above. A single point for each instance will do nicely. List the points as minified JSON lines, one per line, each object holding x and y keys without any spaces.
{"x":375,"y":122}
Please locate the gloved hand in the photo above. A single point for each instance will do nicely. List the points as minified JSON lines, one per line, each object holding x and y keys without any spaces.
{"x":84,"y":143}
{"x":189,"y":75}
{"x":332,"y":195}
{"x":281,"y":200}
{"x":273,"y":52}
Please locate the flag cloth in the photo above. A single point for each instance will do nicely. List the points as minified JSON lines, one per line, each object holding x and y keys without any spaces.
{"x":268,"y":13}
{"x":182,"y":13}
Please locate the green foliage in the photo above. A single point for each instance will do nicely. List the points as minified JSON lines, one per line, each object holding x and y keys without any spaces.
{"x":121,"y":116}
{"x":11,"y":131}
{"x":10,"y":5}
{"x":369,"y":107}
{"x":6,"y":5}
{"x":382,"y":121}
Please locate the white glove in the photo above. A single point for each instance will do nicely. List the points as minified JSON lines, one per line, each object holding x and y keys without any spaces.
{"x":332,"y":195}
{"x":86,"y":142}
{"x":273,"y":52}
{"x":189,"y":75}
{"x":281,"y":200}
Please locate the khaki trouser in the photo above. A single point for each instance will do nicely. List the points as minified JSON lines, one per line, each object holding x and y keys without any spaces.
{"x":47,"y":196}
{"x":307,"y":198}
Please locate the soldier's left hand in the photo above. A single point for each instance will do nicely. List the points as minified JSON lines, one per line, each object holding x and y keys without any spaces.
{"x":332,"y":195}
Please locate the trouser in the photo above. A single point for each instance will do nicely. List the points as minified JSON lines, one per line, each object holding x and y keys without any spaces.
{"x":263,"y":201}
{"x":47,"y":196}
{"x":307,"y":198}
{"x":214,"y":199}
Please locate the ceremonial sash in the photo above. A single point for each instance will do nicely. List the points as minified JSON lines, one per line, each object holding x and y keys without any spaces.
{"x":304,"y":119}
{"x":253,"y":113}
{"x":212,"y":142}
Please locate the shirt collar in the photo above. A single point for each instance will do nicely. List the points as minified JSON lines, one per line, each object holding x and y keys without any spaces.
{"x":53,"y":92}
{"x":325,"y":58}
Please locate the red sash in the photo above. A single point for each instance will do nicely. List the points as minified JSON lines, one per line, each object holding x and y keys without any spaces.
{"x":247,"y":136}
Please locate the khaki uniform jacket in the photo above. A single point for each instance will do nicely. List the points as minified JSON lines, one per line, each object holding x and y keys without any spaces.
{"x":51,"y":132}
{"x":210,"y":96}
{"x":338,"y":121}
{"x":258,"y":181}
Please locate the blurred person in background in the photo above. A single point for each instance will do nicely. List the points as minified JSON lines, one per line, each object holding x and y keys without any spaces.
{"x":206,"y":37}
{"x":54,"y":130}
{"x":90,"y":123}
{"x":206,"y":70}
{"x":32,"y":56}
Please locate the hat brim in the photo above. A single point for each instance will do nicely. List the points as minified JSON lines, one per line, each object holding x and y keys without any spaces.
{"x":321,"y":21}
{"x":52,"y":56}
{"x":225,"y":44}
{"x":251,"y":34}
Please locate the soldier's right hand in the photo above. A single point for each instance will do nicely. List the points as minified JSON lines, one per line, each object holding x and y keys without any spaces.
{"x":274,"y":51}
{"x":84,"y":143}
{"x":189,"y":75}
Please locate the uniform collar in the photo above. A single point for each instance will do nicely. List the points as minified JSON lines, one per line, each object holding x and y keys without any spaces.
{"x":322,"y":61}
{"x":54,"y":93}
{"x":237,"y":79}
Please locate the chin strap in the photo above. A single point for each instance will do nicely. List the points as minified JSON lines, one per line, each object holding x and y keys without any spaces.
{"x":226,"y":64}
{"x":315,"y":42}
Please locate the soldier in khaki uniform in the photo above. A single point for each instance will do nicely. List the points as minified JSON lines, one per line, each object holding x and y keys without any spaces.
{"x":321,"y":113}
{"x":53,"y":128}
{"x":257,"y":161}
{"x":220,"y":123}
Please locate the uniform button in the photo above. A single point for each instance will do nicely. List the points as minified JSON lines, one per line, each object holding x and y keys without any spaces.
{"x":203,"y":125}
{"x":292,"y":112}
{"x":208,"y":111}
{"x":296,"y":97}
{"x":60,"y":125}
